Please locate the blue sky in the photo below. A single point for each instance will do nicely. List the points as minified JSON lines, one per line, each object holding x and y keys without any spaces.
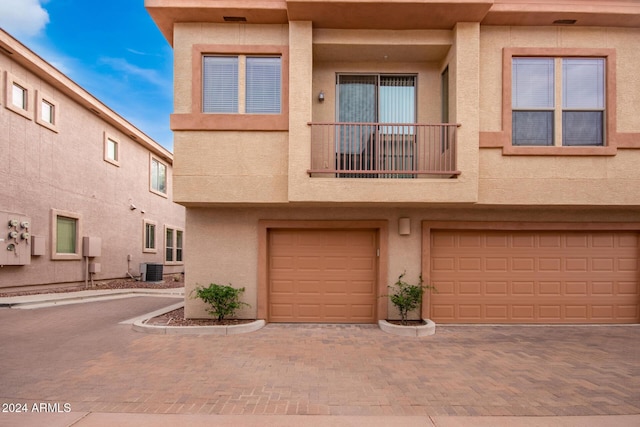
{"x":111,"y":48}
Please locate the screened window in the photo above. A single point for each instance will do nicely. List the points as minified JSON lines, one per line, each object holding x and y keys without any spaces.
{"x":158,"y":176}
{"x":542,"y":115}
{"x":583,"y":101}
{"x":260,"y":92}
{"x":66,"y":237}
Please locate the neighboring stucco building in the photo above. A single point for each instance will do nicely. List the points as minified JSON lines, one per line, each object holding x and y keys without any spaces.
{"x":72,"y":168}
{"x":324,"y":147}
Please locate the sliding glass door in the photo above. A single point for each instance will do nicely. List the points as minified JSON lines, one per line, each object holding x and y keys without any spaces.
{"x":377,"y":111}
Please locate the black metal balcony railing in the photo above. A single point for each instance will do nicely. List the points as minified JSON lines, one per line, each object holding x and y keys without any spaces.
{"x":383,"y":150}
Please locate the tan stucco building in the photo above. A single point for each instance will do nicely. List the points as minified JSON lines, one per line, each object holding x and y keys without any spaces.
{"x":74,"y":169}
{"x":322,"y":148}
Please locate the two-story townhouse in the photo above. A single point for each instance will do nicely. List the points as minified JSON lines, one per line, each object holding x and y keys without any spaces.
{"x":324,"y":147}
{"x":73,"y":169}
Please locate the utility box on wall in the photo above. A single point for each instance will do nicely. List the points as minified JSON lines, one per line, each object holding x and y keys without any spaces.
{"x":91,"y":247}
{"x":15,"y":239}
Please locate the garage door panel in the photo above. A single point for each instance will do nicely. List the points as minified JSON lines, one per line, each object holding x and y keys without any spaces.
{"x":322,"y":276}
{"x":497,"y":312}
{"x":470,"y":288}
{"x":496,"y":288}
{"x":551,"y":277}
{"x":523,"y":288}
{"x":550,"y":288}
{"x":628,"y":288}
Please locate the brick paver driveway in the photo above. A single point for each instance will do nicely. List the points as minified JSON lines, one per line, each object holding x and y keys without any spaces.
{"x":80,"y":355}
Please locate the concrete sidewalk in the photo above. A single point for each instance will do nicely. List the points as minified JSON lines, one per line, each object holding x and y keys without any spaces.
{"x":84,"y":419}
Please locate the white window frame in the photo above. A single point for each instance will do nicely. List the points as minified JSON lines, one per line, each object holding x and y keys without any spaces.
{"x":108,"y":139}
{"x":174,"y":248}
{"x":153,"y":159}
{"x":42,"y":98}
{"x":149,"y":248}
{"x":10,"y":82}
{"x":55,"y":255}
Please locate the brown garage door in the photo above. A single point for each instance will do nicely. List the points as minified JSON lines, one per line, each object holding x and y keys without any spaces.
{"x":535,"y":277}
{"x":322,"y":276}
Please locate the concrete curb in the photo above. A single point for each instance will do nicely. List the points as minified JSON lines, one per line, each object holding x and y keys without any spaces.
{"x":429,"y":328}
{"x":140,"y":325}
{"x":62,"y":298}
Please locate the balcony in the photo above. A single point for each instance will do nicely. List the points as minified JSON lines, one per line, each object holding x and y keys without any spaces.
{"x":383,"y":150}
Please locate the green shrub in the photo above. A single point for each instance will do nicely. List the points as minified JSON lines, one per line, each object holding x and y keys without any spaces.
{"x":224,"y":300}
{"x":407,"y":297}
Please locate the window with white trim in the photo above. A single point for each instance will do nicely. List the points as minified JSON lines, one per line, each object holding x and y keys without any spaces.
{"x":111,"y":149}
{"x":149,"y":236}
{"x":158,"y":177}
{"x":242,"y":84}
{"x":65,"y":235}
{"x":18,"y":96}
{"x":46,"y":111}
{"x":173,"y":242}
{"x":558,"y":101}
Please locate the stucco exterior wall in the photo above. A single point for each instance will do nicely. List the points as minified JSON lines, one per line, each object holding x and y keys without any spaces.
{"x":227,"y":252}
{"x":65,"y":170}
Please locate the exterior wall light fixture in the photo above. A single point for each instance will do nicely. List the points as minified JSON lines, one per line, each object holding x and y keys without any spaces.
{"x":404,"y":226}
{"x":321,"y":96}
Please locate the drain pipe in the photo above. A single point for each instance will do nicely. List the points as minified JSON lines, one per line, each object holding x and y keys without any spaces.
{"x":137,"y":279}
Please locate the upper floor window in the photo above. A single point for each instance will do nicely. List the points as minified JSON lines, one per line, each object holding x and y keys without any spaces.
{"x":158,"y":177}
{"x":19,"y":96}
{"x":223,"y":91}
{"x":111,"y":149}
{"x":558,"y":101}
{"x":46,"y":111}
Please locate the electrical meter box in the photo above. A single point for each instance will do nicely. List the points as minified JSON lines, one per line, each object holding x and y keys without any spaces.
{"x":15,"y":239}
{"x":91,"y":246}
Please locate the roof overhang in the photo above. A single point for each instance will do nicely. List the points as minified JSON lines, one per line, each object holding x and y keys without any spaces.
{"x":395,"y":14}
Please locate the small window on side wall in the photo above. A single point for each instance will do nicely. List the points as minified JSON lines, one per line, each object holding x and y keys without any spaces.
{"x":111,"y":149}
{"x":65,"y":235}
{"x":17,"y":96}
{"x":46,"y":111}
{"x":158,"y":177}
{"x":149,"y":236}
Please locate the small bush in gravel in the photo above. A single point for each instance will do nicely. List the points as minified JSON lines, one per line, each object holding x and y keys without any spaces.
{"x":224,"y":300}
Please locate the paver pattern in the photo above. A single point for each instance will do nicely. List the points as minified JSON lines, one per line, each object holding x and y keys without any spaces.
{"x":80,"y":355}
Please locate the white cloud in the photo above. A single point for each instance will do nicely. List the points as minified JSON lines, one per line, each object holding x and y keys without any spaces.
{"x":150,"y":75}
{"x":23,"y":18}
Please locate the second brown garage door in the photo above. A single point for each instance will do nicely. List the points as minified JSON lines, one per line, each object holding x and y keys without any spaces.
{"x":534,"y":277}
{"x":322,"y":276}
